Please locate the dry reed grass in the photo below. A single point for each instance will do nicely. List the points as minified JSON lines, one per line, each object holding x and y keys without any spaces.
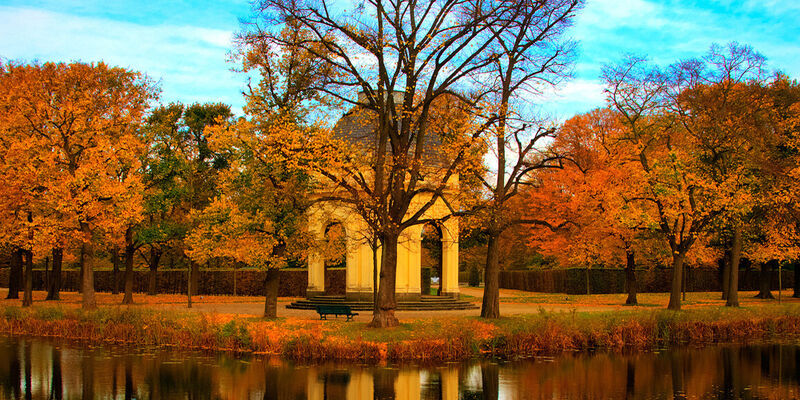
{"x":421,"y":340}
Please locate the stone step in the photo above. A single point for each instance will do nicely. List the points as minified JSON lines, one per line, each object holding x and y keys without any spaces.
{"x":317,"y":301}
{"x":404,"y":306}
{"x":409,"y":308}
{"x":424,"y":304}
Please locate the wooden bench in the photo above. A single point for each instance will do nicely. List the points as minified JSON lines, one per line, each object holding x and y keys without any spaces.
{"x":336,"y":311}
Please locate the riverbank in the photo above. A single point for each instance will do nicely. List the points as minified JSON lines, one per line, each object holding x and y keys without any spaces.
{"x":445,"y":338}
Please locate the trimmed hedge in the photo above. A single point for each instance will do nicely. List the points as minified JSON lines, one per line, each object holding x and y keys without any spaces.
{"x":293,"y":282}
{"x":607,"y":280}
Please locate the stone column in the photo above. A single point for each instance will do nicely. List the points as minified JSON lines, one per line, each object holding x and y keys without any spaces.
{"x":450,"y":258}
{"x":409,"y":251}
{"x":351,"y":261}
{"x":316,"y":263}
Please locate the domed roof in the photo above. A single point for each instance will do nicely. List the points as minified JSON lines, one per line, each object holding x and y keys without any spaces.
{"x":359,"y":126}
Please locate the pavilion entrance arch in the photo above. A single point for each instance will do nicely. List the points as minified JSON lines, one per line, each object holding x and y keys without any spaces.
{"x":359,"y":267}
{"x":357,"y":252}
{"x":358,"y":127}
{"x":334,"y":257}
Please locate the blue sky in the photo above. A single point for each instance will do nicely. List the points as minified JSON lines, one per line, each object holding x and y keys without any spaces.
{"x":184,"y":44}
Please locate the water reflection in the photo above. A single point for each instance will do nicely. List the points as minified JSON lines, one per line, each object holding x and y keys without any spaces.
{"x":40,"y":369}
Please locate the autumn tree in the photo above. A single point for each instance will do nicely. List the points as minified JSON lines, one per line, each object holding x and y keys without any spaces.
{"x":593,"y":198}
{"x":775,"y":226}
{"x":257,"y":218}
{"x":532,"y":53}
{"x":403,"y":57}
{"x":722,"y":105}
{"x":180,"y":175}
{"x":79,"y":122}
{"x":17,"y":202}
{"x":167,"y":194}
{"x":642,"y":95}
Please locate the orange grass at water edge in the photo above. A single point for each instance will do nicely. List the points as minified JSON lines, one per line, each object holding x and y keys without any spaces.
{"x":421,"y":340}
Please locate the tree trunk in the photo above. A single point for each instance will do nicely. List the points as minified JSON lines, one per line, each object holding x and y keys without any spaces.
{"x":588,"y":283}
{"x":15,"y":274}
{"x":27,"y":296}
{"x":765,"y":281}
{"x":677,"y":280}
{"x":780,"y":282}
{"x":491,"y":279}
{"x":736,"y":253}
{"x":271,"y":294}
{"x":383,"y":316}
{"x":630,"y":278}
{"x":796,"y":293}
{"x":128,"y":260}
{"x":683,"y":283}
{"x":726,"y":274}
{"x":54,"y":289}
{"x":374,"y":276}
{"x":155,"y":258}
{"x":115,"y":270}
{"x":190,"y":282}
{"x":87,"y":266}
{"x":46,"y":273}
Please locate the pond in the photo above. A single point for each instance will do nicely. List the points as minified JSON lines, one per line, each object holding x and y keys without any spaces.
{"x":48,"y":369}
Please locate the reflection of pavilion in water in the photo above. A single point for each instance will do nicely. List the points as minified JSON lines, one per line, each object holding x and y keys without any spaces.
{"x":40,"y":370}
{"x":399,"y":384}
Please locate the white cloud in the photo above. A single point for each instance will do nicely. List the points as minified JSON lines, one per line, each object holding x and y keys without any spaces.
{"x":570,"y":98}
{"x":189,"y":61}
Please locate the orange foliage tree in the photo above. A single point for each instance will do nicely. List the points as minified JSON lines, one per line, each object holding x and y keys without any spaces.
{"x":721,"y":102}
{"x":77,"y":123}
{"x":593,"y":197}
{"x":681,"y":200}
{"x":259,"y":215}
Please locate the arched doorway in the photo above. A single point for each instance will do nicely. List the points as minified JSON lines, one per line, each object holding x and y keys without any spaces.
{"x":334,"y":253}
{"x":432,"y":259}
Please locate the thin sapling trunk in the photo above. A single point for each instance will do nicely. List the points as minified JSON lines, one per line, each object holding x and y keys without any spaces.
{"x":630,"y":278}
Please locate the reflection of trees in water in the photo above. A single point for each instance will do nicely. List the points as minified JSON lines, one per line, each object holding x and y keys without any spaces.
{"x":190,"y":379}
{"x":40,"y":370}
{"x":56,"y":386}
{"x":490,"y":377}
{"x":490,"y":383}
{"x":129,"y":386}
{"x":87,"y":375}
{"x":383,"y":383}
{"x":11,"y":371}
{"x":677,"y":368}
{"x":630,"y":380}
